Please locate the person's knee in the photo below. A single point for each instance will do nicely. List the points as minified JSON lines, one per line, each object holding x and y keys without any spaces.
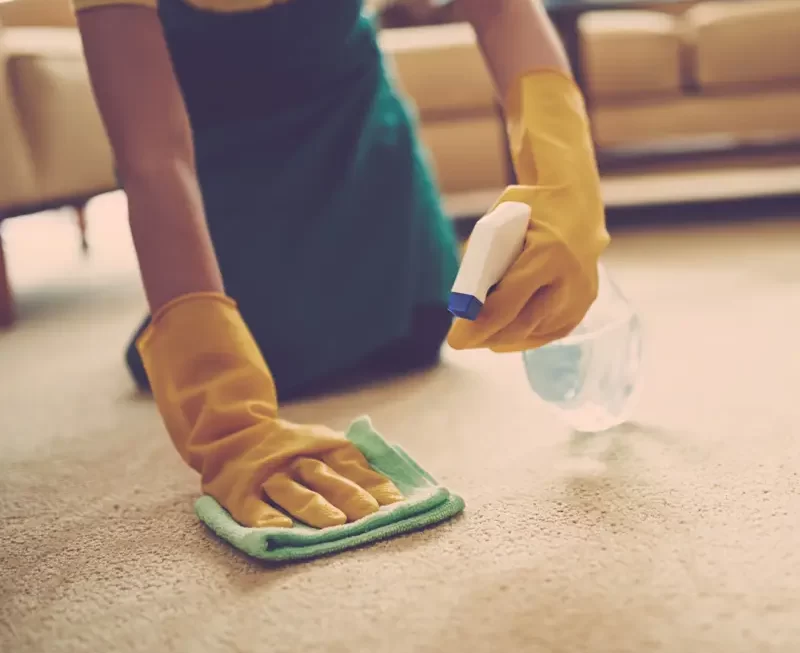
{"x":429,"y":329}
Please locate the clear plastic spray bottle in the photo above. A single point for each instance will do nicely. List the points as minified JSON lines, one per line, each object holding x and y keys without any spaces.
{"x":592,"y":376}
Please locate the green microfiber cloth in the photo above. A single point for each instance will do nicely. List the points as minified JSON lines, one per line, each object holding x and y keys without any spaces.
{"x":427,"y":504}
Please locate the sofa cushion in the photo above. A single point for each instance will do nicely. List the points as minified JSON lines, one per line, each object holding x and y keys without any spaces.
{"x":745,"y":42}
{"x":440,"y":68}
{"x":56,"y":106}
{"x":631,"y":53}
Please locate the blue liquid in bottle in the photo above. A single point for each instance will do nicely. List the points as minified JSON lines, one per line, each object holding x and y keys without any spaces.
{"x":592,"y":377}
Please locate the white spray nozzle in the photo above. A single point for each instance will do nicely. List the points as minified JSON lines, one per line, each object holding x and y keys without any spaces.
{"x":496,"y":241}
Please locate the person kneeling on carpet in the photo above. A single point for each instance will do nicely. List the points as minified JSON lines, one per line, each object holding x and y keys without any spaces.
{"x":263,"y":143}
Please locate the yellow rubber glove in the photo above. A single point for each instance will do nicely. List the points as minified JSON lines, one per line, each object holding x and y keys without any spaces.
{"x":218,"y":402}
{"x":549,"y":288}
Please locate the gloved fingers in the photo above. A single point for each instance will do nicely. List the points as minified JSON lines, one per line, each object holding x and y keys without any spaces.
{"x":466,"y":334}
{"x":526,"y":277}
{"x":549,"y":315}
{"x":520,"y":328}
{"x":347,"y":496}
{"x":351,"y":464}
{"x":303,"y":504}
{"x":250,"y":511}
{"x":532,"y":340}
{"x":571,"y":302}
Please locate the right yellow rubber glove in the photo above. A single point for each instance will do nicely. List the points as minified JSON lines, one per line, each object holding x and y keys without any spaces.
{"x":549,"y":288}
{"x":218,"y":401}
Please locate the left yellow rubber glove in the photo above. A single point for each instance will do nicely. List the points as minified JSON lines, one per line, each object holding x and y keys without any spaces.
{"x":549,"y":288}
{"x":218,"y":401}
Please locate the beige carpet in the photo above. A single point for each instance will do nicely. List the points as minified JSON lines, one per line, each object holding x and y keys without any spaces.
{"x":678,"y":533}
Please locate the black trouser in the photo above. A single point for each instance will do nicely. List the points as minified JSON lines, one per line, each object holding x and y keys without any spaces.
{"x":418,"y":350}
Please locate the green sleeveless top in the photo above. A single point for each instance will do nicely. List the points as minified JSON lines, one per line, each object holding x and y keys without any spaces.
{"x":321,"y":204}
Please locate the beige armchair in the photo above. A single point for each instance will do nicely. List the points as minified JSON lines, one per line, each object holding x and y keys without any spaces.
{"x":53,"y":148}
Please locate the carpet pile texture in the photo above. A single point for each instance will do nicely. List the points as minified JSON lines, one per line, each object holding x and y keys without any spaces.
{"x":678,"y":532}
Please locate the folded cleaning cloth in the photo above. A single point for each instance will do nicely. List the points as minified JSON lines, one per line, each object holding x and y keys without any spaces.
{"x":427,"y":504}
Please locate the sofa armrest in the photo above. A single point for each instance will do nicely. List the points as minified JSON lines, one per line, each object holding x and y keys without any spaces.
{"x":57,"y":113}
{"x":17,"y":176}
{"x":37,"y":13}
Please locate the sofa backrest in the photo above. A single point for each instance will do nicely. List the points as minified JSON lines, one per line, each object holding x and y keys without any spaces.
{"x":37,"y":13}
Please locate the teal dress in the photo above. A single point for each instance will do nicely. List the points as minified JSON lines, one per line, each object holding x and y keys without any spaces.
{"x":322,"y":207}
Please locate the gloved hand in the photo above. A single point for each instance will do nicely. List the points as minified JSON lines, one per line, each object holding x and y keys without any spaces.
{"x":218,"y":402}
{"x":549,"y":288}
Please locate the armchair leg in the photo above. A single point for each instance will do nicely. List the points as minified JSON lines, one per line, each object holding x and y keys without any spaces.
{"x":80,"y":211}
{"x":6,"y":298}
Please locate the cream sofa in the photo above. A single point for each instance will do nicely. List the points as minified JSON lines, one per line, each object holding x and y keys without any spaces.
{"x":725,"y":70}
{"x":717,"y":71}
{"x":53,"y":148}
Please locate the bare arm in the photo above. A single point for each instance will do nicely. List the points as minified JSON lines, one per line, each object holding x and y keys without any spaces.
{"x":516,"y":37}
{"x":146,"y":121}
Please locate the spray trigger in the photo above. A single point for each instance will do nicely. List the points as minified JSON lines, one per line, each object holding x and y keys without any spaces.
{"x":494,"y":244}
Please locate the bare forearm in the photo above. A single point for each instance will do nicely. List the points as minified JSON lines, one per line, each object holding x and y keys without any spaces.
{"x":516,"y":37}
{"x":170,"y":234}
{"x":149,"y":130}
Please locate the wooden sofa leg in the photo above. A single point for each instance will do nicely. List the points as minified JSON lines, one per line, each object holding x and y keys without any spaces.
{"x":80,"y":210}
{"x":6,"y":298}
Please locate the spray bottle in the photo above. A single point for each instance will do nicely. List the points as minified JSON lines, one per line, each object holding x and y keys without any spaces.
{"x":591,"y":377}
